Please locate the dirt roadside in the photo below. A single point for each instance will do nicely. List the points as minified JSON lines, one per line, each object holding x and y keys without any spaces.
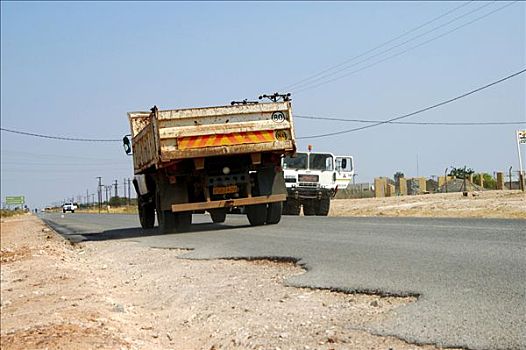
{"x":483,"y":204}
{"x":117,"y":295}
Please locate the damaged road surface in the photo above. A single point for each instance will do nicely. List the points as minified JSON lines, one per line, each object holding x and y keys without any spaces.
{"x":468,"y":275}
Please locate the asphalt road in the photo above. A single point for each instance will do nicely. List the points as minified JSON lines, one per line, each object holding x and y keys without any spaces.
{"x":469,"y":274}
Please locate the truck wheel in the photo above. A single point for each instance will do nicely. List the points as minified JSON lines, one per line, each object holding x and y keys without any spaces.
{"x":274,"y":212}
{"x":167,"y":221}
{"x":146,"y":214}
{"x":256,"y":214}
{"x":324,"y":205}
{"x":291,"y":207}
{"x":218,"y":215}
{"x":295,"y":207}
{"x":285,"y":210}
{"x":309,"y":208}
{"x":182,"y":221}
{"x":165,"y":218}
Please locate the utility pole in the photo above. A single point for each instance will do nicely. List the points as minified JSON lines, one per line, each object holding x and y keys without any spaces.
{"x":510,"y":175}
{"x":99,"y":192}
{"x":87,"y":198}
{"x":124,"y":189}
{"x":129,"y":191}
{"x":417,"y":167}
{"x":445,"y":178}
{"x":116,"y":190}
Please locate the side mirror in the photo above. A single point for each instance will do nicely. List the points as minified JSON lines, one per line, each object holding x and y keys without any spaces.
{"x":126,"y":142}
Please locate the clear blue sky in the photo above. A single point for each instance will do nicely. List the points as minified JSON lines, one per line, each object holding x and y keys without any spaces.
{"x":75,"y":69}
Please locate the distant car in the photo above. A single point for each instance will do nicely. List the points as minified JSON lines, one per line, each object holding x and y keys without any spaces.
{"x":69,"y":207}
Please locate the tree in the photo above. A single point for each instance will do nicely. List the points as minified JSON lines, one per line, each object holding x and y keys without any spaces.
{"x":117,"y":201}
{"x":489,"y":182}
{"x":461,"y":173}
{"x":397,"y":176}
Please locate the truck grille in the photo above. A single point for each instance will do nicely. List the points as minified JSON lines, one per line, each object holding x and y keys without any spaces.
{"x":308,"y":184}
{"x":308,"y":178}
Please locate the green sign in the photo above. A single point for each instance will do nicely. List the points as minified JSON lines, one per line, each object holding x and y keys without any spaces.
{"x":14,"y":200}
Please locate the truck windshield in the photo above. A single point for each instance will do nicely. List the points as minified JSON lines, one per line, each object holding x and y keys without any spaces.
{"x":321,"y":162}
{"x":298,"y":162}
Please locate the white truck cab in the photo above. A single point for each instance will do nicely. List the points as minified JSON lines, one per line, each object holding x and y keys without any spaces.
{"x":69,"y":207}
{"x":312,"y":179}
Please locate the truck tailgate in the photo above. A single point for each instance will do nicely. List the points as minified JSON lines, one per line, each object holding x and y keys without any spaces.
{"x":165,"y":136}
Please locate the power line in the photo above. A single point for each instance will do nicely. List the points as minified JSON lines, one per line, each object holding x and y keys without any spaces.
{"x":410,"y":123}
{"x":418,"y":111}
{"x":58,"y":137}
{"x":390,"y":121}
{"x":322,"y":75}
{"x":375,"y":48}
{"x":308,"y":87}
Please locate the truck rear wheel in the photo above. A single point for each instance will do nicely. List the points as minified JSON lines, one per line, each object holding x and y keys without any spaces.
{"x":256,"y":214}
{"x":218,"y":215}
{"x":170,"y":222}
{"x":323,"y":207}
{"x":291,"y":207}
{"x":146,"y":214}
{"x":166,"y":221}
{"x":274,"y":212}
{"x":309,"y":207}
{"x":183,"y":221}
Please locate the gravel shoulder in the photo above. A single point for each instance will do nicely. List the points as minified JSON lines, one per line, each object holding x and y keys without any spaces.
{"x":119,"y":295}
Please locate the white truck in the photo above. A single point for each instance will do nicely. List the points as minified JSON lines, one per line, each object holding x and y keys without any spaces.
{"x":69,"y":207}
{"x":312,"y":180}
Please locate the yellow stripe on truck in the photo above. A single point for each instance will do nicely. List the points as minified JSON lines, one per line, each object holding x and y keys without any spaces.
{"x":225,"y":139}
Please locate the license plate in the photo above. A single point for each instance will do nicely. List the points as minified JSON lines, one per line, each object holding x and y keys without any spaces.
{"x":225,"y":189}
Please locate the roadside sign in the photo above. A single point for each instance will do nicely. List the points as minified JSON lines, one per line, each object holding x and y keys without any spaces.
{"x":521,"y":136}
{"x":14,"y":200}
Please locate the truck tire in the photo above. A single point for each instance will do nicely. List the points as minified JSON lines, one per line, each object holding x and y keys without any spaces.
{"x":218,"y":215}
{"x":146,"y":214}
{"x":291,"y":207}
{"x":165,"y":218}
{"x":166,"y":221}
{"x":256,"y":214}
{"x":274,"y":212}
{"x":170,"y":222}
{"x":309,"y":207}
{"x":323,"y":207}
{"x":183,"y":221}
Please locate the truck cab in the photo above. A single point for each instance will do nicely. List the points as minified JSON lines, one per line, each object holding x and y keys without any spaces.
{"x":69,"y":207}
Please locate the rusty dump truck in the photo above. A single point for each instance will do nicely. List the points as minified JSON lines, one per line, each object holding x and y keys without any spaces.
{"x":210,"y":159}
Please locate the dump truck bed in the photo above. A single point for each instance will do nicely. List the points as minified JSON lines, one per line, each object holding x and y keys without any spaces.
{"x":161,"y":137}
